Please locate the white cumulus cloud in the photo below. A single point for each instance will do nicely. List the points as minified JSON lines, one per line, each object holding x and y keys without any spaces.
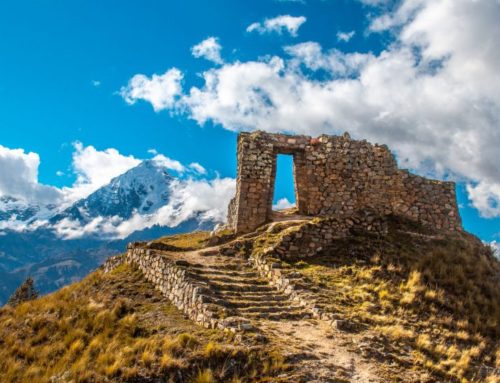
{"x":19,"y":177}
{"x":160,"y":90}
{"x":338,"y":64}
{"x":195,"y":166}
{"x":208,"y":49}
{"x":95,"y":168}
{"x":283,"y":203}
{"x":169,"y":163}
{"x":279,"y":24}
{"x":485,"y":197}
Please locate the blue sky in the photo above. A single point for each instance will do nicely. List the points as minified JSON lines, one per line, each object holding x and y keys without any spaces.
{"x":51,"y":55}
{"x":66,"y":66}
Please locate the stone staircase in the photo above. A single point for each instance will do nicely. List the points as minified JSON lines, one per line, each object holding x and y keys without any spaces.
{"x":237,"y":290}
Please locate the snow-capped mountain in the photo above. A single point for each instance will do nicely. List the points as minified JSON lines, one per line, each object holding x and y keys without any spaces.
{"x":144,"y":189}
{"x":14,"y":209}
{"x":31,"y":242}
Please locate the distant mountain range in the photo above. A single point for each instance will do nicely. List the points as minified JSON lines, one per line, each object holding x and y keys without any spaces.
{"x":57,"y":245}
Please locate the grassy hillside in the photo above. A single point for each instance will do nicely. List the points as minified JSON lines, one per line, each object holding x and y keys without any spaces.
{"x":415,"y":299}
{"x":116,"y":327}
{"x":419,"y":306}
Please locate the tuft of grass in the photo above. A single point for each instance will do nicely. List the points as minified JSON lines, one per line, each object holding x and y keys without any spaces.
{"x":397,"y":332}
{"x":186,"y":242}
{"x":213,"y":351}
{"x":205,"y":376}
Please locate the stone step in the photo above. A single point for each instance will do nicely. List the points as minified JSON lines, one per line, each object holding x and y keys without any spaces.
{"x":231,"y":279}
{"x":269,"y":309}
{"x":233,"y":273}
{"x":252,"y":295}
{"x":239,"y":287}
{"x":250,"y":306}
{"x":224,"y":266}
{"x":278,"y":316}
{"x":235,"y":289}
{"x":258,"y":303}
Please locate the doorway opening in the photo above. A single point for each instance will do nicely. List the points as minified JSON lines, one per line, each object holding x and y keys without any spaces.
{"x":284,"y":183}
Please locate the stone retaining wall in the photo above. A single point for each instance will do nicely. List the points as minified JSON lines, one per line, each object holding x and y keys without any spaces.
{"x":113,"y":262}
{"x":335,"y":175}
{"x":308,"y":238}
{"x":172,"y":279}
{"x":283,"y":280}
{"x":313,"y":236}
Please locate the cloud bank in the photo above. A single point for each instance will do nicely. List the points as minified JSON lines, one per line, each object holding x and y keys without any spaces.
{"x":19,"y":177}
{"x":203,"y":199}
{"x":192,"y":197}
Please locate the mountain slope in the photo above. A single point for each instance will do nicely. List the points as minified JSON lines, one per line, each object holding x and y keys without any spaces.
{"x":117,"y":328}
{"x":54,"y":263}
{"x":424,"y":303}
{"x":15,"y":209}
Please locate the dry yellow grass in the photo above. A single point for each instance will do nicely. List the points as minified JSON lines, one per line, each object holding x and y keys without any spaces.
{"x":115,"y":327}
{"x":436,"y":301}
{"x":189,"y":241}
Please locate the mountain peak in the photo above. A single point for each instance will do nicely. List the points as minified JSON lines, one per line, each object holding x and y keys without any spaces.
{"x":144,"y":188}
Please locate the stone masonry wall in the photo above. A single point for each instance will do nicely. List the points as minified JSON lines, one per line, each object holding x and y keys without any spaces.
{"x":307,"y":238}
{"x":335,"y":175}
{"x":172,"y":279}
{"x":312,"y":237}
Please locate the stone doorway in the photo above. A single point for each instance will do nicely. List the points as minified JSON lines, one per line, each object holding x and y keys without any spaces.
{"x":284,"y":188}
{"x":334,"y":176}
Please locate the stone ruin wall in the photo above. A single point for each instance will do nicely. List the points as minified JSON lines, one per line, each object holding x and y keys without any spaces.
{"x":334,"y":176}
{"x":172,"y":279}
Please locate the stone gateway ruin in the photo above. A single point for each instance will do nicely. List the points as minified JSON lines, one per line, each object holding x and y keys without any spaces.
{"x":342,"y":186}
{"x":335,"y":176}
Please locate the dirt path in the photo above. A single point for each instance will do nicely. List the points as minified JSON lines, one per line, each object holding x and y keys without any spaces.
{"x":319,"y":354}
